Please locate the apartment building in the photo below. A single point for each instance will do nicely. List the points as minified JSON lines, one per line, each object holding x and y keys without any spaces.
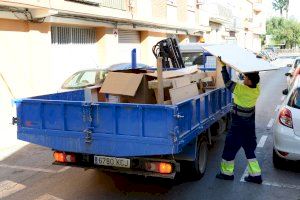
{"x":44,"y":41}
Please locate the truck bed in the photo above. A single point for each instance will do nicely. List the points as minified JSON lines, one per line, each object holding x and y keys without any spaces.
{"x":65,"y":122}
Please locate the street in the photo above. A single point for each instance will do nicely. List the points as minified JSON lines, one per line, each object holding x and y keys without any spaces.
{"x":29,"y":173}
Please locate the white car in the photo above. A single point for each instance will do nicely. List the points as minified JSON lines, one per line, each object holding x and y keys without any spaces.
{"x":286,"y":134}
{"x":290,"y":74}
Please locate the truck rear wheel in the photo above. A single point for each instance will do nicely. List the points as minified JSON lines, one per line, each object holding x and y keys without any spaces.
{"x":198,"y":166}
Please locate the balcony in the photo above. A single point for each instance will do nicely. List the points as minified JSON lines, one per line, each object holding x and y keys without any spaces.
{"x":26,"y":3}
{"x":116,"y":4}
{"x":257,"y":7}
{"x":219,"y":13}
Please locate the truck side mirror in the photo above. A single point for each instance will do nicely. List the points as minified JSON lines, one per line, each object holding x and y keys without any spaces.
{"x":289,"y":65}
{"x":285,"y":92}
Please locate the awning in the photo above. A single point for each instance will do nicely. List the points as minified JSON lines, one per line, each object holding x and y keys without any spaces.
{"x":238,"y":58}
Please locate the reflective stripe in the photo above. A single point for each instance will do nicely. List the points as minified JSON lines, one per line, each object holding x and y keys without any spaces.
{"x":227,"y":167}
{"x":242,"y":114}
{"x":253,"y":167}
{"x":244,"y":109}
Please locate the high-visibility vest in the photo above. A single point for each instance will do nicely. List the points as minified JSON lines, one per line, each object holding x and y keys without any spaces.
{"x":245,"y":96}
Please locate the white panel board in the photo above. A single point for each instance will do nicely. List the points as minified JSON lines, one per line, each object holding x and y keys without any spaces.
{"x":238,"y":58}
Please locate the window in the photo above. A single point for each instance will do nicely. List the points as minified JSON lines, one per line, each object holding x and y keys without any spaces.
{"x":116,"y":4}
{"x":295,"y":99}
{"x":297,"y":64}
{"x":84,"y":79}
{"x":191,"y":59}
{"x":87,"y":2}
{"x":72,"y":35}
{"x":191,"y":5}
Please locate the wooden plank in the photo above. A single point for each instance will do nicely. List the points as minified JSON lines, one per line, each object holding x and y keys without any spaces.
{"x":219,"y":78}
{"x":160,"y":87}
{"x":183,"y":93}
{"x":168,"y":82}
{"x":177,"y":72}
{"x":154,"y":84}
{"x":195,"y":77}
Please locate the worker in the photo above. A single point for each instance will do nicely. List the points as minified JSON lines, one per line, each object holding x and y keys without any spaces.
{"x":242,"y":130}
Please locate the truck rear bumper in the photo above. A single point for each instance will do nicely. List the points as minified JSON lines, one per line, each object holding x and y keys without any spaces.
{"x":137,"y":166}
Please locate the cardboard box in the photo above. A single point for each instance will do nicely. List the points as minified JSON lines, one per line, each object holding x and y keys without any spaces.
{"x":132,"y":88}
{"x":184,"y":93}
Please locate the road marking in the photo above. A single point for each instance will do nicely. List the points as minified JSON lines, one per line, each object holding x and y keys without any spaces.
{"x":244,"y":175}
{"x":63,"y":169}
{"x":282,"y":98}
{"x":8,"y":188}
{"x":270,"y":124}
{"x":34,"y":168}
{"x":262,"y":141}
{"x":280,"y":185}
{"x":272,"y":184}
{"x":48,"y":197}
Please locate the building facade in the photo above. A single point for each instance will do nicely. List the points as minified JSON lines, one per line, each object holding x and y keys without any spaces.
{"x":45,"y":41}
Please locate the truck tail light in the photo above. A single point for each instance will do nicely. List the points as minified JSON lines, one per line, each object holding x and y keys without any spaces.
{"x":64,"y":157}
{"x":160,"y":167}
{"x":165,"y":168}
{"x":285,"y":118}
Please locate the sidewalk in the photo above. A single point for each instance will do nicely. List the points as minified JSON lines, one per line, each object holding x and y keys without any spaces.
{"x":8,"y":137}
{"x":8,"y":132}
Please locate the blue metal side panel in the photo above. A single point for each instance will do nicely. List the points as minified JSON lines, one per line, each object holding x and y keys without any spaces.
{"x":200,"y":113}
{"x":75,"y":95}
{"x":100,"y":128}
{"x":117,"y":129}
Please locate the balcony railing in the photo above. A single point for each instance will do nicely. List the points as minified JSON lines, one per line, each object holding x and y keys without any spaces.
{"x":116,"y":4}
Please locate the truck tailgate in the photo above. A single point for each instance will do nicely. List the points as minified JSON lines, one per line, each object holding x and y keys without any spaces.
{"x":97,"y":128}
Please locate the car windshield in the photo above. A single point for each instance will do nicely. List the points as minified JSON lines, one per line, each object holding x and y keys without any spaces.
{"x":195,"y":58}
{"x":84,"y":79}
{"x":295,"y":99}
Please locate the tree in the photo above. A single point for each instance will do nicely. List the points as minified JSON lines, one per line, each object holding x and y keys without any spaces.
{"x":284,"y":31}
{"x":281,"y":5}
{"x":287,"y":9}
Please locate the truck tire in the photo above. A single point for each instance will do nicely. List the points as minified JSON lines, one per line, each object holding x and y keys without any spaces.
{"x":278,"y":162}
{"x":198,"y":166}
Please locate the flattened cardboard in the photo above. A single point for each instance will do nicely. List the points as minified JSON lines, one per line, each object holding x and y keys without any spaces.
{"x":143,"y":95}
{"x":239,"y":58}
{"x":183,"y":93}
{"x":181,"y":81}
{"x":118,"y":83}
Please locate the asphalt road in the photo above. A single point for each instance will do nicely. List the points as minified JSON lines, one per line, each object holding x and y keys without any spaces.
{"x":28,"y":173}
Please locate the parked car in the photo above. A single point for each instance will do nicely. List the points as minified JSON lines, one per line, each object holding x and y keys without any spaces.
{"x":95,"y":77}
{"x":286,"y":135}
{"x":293,"y":72}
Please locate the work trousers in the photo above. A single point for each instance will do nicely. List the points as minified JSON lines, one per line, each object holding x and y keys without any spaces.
{"x":241,"y":134}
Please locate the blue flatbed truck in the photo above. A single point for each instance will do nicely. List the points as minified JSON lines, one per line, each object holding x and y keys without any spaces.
{"x":144,"y":139}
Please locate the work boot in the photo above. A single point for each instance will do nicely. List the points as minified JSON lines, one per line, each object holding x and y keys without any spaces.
{"x":224,"y":176}
{"x":253,"y":179}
